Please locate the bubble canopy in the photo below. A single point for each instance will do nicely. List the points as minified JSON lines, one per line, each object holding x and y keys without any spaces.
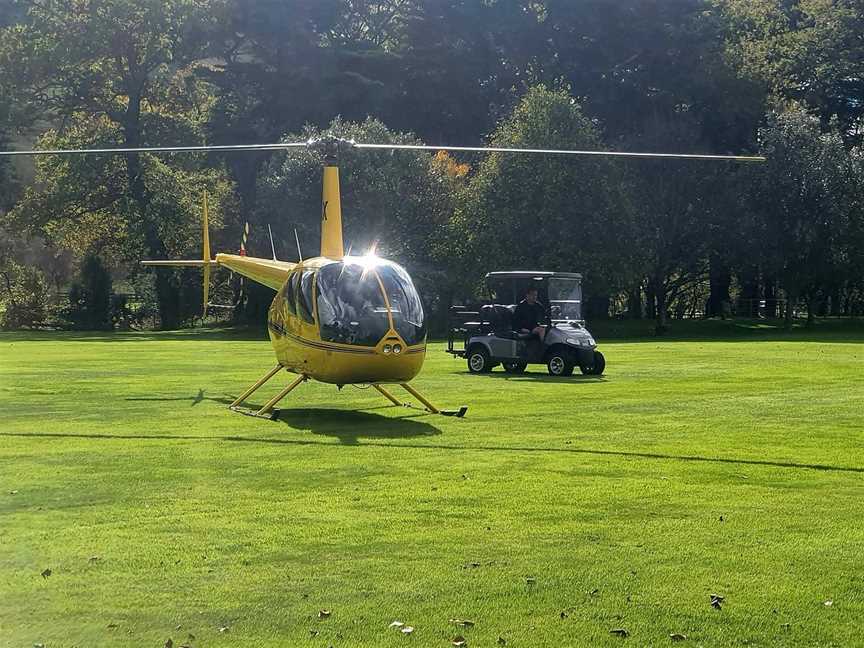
{"x":358,"y":297}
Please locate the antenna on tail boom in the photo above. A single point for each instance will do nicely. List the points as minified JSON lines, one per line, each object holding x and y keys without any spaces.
{"x":272,"y":245}
{"x":297,"y":238}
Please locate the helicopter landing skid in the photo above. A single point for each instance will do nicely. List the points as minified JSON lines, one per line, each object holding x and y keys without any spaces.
{"x":429,"y":407}
{"x":267,"y":410}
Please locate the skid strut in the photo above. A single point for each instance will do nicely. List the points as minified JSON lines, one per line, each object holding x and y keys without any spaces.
{"x":268,"y":407}
{"x":426,"y":404}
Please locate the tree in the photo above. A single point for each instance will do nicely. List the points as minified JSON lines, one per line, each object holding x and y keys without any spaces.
{"x":553,"y":212}
{"x":807,"y":51}
{"x":806,"y":207}
{"x":114,"y":73}
{"x":90,"y":296}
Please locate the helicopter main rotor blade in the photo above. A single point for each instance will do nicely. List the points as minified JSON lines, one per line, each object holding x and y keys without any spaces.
{"x":357,"y":145}
{"x":162,"y":149}
{"x":629,"y":154}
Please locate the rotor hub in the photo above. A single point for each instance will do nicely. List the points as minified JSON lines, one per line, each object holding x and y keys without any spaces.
{"x":330,"y":147}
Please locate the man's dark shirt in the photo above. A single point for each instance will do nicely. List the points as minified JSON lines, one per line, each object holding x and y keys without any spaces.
{"x":528,"y":316}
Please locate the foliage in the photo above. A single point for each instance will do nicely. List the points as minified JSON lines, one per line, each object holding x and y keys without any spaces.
{"x":24,"y":296}
{"x":678,"y":76}
{"x":808,"y":51}
{"x":550,"y":212}
{"x":806,"y":205}
{"x":90,"y":298}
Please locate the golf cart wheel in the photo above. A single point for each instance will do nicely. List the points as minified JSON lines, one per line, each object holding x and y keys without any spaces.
{"x":597,"y":368}
{"x":515,"y":367}
{"x":559,"y":364}
{"x":479,"y":360}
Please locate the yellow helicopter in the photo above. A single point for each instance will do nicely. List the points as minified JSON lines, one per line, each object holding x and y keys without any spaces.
{"x":337,"y":318}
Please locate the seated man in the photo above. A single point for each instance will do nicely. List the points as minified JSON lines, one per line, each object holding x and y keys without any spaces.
{"x":530,"y":315}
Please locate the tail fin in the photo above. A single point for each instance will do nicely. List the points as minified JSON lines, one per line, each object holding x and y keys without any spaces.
{"x":206,"y":254}
{"x":205,"y":262}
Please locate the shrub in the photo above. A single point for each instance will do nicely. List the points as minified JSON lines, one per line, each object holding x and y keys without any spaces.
{"x":24,"y":297}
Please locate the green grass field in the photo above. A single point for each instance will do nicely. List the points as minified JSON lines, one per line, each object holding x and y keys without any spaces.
{"x":556,"y":511}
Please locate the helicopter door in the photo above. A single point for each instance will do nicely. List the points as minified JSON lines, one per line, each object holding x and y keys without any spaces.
{"x":304,"y":297}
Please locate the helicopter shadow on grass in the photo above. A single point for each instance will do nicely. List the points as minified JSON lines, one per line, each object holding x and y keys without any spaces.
{"x":348,"y":426}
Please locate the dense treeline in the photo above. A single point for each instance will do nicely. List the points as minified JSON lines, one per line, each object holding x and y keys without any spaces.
{"x":654,"y":238}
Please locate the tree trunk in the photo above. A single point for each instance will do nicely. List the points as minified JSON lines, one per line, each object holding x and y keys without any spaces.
{"x":790,"y":306}
{"x":650,"y":302}
{"x":720,"y":280}
{"x":771,"y":309}
{"x":660,"y":297}
{"x":167,"y":286}
{"x":634,"y":303}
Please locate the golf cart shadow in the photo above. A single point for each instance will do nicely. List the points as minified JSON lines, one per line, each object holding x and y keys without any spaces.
{"x":349,"y":427}
{"x":538,"y":376}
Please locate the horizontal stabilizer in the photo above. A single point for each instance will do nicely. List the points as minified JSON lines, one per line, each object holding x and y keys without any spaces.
{"x":179,"y":263}
{"x":264,"y":271}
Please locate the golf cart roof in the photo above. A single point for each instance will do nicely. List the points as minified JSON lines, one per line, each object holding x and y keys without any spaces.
{"x":532,"y":274}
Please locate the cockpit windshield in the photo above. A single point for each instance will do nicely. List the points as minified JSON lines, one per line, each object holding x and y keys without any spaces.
{"x":405,"y":304}
{"x":352,"y":308}
{"x":565,"y":299}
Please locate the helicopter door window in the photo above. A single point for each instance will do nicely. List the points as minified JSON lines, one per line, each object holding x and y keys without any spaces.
{"x":351,"y":306}
{"x":289,"y":289}
{"x":405,"y":305}
{"x":304,"y":297}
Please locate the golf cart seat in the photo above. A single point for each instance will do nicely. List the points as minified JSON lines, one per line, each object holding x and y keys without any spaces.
{"x":501,"y":318}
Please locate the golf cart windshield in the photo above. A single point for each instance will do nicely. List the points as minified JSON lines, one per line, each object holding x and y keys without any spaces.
{"x":352,"y":308}
{"x":565,"y":299}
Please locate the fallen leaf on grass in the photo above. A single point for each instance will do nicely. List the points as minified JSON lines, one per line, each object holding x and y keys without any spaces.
{"x":458,"y":640}
{"x":471,"y":565}
{"x":530,"y":580}
{"x":717,"y":601}
{"x":46,"y":573}
{"x":396,"y":624}
{"x":324,"y":614}
{"x":15,"y":492}
{"x":502,"y":641}
{"x":463,"y":623}
{"x":224,"y":629}
{"x":828,"y":603}
{"x":677,"y":636}
{"x":407,"y":630}
{"x":786,"y":626}
{"x":314,"y":633}
{"x":563,"y":615}
{"x":94,"y":559}
{"x":169,"y":643}
{"x":619,"y":632}
{"x":111,"y":626}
